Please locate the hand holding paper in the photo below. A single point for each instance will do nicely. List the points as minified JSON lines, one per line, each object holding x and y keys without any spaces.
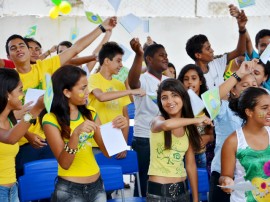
{"x":241,"y":186}
{"x":113,"y":139}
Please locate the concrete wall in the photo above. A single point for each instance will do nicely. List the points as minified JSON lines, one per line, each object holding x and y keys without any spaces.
{"x":171,"y":32}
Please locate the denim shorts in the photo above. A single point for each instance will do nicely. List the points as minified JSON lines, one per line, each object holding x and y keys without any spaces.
{"x":157,"y":192}
{"x":66,"y":191}
{"x":8,"y":194}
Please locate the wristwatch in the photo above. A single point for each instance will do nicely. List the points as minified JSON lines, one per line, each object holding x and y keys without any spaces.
{"x":28,"y":118}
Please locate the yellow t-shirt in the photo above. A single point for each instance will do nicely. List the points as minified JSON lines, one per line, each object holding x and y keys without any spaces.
{"x":107,"y":111}
{"x":36,"y":79}
{"x":8,"y":153}
{"x":84,"y":163}
{"x":169,"y":162}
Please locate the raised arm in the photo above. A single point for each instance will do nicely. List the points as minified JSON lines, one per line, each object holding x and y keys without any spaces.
{"x":85,"y":41}
{"x":90,"y":65}
{"x":245,"y":68}
{"x":108,"y":96}
{"x":135,"y":70}
{"x":160,"y":124}
{"x":48,"y":52}
{"x":241,"y":45}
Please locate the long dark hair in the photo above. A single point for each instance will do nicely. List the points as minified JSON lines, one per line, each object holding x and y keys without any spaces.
{"x":66,"y":77}
{"x":248,"y":99}
{"x":9,"y":80}
{"x":176,"y":86}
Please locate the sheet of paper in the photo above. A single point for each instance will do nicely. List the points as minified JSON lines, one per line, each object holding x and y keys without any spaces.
{"x":130,"y":22}
{"x":246,"y":3}
{"x":265,"y":56}
{"x":113,"y":139}
{"x":196,"y":102}
{"x":33,"y":95}
{"x":146,"y":26}
{"x":115,"y":4}
{"x":241,"y":186}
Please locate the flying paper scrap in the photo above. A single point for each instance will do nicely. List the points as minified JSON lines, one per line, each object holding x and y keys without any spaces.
{"x":130,"y":22}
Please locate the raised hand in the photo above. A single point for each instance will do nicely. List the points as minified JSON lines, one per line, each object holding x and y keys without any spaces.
{"x":136,"y":46}
{"x":234,"y":11}
{"x":110,"y":23}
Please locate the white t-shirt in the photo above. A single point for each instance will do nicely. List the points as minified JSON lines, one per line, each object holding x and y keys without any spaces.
{"x":217,"y":67}
{"x":146,"y":107}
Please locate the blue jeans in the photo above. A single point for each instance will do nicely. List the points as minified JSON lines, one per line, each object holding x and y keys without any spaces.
{"x":66,"y":191}
{"x":28,"y":154}
{"x":200,"y":160}
{"x":9,"y":194}
{"x":142,"y":147}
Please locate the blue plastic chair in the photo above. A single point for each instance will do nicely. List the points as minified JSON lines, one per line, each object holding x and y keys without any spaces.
{"x":131,"y":110}
{"x":129,"y":164}
{"x":113,"y":180}
{"x":41,"y":165}
{"x":203,"y":184}
{"x":130,"y":136}
{"x":38,"y":180}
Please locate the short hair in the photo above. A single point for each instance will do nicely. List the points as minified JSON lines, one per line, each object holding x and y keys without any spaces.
{"x":195,"y":44}
{"x":151,"y":50}
{"x":68,"y":44}
{"x":32,"y":40}
{"x":109,"y":50}
{"x":262,"y":33}
{"x":12,"y":37}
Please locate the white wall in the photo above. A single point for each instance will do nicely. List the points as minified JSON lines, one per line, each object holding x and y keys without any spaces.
{"x":171,"y":32}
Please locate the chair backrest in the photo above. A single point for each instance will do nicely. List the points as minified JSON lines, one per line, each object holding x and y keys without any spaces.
{"x":36,"y":186}
{"x":38,"y":180}
{"x":41,"y":165}
{"x":129,"y":164}
{"x":112,"y":177}
{"x":203,"y":181}
{"x":131,"y":110}
{"x":130,"y":136}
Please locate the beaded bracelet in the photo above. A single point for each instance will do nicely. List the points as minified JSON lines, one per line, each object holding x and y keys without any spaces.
{"x":69,"y":150}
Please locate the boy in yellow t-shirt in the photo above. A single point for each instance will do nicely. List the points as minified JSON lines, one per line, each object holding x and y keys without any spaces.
{"x":108,"y":95}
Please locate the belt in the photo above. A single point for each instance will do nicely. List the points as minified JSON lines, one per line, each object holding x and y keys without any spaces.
{"x":168,"y":190}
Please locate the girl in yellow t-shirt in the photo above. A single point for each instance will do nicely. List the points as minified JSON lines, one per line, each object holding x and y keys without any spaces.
{"x":69,"y":129}
{"x":11,"y":95}
{"x":174,"y":136}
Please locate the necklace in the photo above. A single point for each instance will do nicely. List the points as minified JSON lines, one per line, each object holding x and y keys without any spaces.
{"x":213,"y":78}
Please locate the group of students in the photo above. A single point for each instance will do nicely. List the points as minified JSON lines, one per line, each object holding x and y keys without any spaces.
{"x":168,"y":139}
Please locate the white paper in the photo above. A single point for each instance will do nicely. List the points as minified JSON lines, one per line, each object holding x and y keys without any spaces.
{"x":33,"y":95}
{"x":265,"y":56}
{"x":113,"y":139}
{"x":241,"y":186}
{"x":196,"y":102}
{"x":115,"y":4}
{"x":130,"y":22}
{"x":146,"y":26}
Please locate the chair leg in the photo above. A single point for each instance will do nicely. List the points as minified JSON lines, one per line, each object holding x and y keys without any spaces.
{"x":139,"y":185}
{"x":123,"y":195}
